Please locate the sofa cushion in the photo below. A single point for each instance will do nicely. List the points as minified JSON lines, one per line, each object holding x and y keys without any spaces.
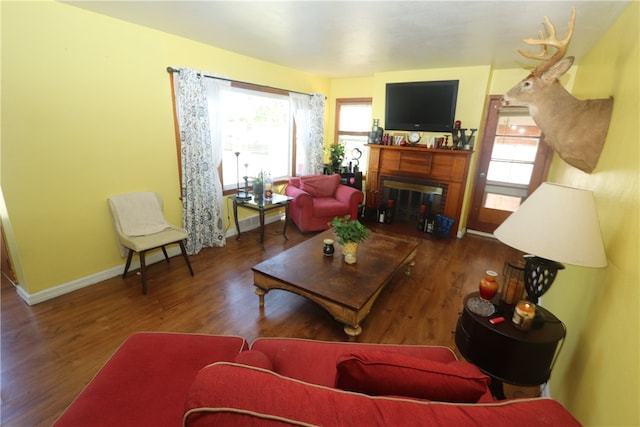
{"x":147,"y":380}
{"x":385,"y":373}
{"x":320,"y":185}
{"x":225,"y":394}
{"x":292,"y":357}
{"x":328,"y":207}
{"x":254,"y":358}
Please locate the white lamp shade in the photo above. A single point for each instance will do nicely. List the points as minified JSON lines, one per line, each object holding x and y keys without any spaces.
{"x":558,"y":223}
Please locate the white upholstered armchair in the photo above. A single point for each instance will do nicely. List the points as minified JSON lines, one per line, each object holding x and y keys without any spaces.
{"x":141,"y":227}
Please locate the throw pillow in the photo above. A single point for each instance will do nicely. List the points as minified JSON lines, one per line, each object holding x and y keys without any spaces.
{"x":254,"y":358}
{"x":320,"y":185}
{"x":380,"y":373}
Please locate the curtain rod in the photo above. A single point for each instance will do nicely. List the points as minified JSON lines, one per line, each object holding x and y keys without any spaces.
{"x":173,"y":70}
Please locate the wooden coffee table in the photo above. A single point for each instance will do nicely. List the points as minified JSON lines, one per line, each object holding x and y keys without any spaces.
{"x":347,"y":291}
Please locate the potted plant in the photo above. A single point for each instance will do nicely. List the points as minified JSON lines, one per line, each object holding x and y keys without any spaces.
{"x":336,"y":155}
{"x":349,"y":233}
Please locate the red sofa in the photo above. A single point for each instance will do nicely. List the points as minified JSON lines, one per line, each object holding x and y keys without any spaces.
{"x":165,"y":379}
{"x":317,"y":199}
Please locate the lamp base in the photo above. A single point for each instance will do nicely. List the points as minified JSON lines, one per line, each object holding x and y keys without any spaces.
{"x":539,"y":274}
{"x":243,"y":196}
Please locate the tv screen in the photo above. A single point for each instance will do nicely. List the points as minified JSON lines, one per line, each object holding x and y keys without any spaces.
{"x":421,"y":106}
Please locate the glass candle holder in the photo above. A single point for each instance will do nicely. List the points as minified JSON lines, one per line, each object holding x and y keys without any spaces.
{"x":523,"y":315}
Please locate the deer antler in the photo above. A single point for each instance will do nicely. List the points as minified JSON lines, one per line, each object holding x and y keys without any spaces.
{"x":551,"y":40}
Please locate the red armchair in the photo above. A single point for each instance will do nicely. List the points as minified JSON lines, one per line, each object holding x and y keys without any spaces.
{"x":317,"y":199}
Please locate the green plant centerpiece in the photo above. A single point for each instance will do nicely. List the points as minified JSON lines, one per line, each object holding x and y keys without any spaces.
{"x":349,"y":233}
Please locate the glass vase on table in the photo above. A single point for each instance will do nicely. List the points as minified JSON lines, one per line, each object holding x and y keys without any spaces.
{"x":488,"y":288}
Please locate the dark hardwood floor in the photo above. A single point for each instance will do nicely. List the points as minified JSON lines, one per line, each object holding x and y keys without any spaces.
{"x":50,"y":351}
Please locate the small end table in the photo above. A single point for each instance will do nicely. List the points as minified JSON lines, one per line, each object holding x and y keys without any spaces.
{"x":505,"y":353}
{"x":261,"y":206}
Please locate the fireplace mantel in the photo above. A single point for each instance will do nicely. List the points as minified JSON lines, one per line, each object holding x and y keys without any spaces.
{"x":419,"y":164}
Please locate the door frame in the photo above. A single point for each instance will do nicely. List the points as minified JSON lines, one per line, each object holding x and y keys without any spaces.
{"x":540,"y":172}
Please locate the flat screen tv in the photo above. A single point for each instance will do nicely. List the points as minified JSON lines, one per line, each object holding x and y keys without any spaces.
{"x":421,"y":106}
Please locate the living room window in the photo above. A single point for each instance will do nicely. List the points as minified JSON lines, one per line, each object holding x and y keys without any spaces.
{"x":257,"y":123}
{"x":353,"y":123}
{"x":271,"y":129}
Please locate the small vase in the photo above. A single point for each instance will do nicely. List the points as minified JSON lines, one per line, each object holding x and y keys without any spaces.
{"x":349,"y":250}
{"x":488,"y":286}
{"x":328,"y":248}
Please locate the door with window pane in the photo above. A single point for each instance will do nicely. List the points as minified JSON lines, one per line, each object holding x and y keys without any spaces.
{"x":514,"y":161}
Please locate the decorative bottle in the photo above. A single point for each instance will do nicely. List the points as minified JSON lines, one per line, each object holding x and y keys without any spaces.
{"x":422,"y":217}
{"x":430,"y":224}
{"x":489,"y":286}
{"x":388,"y":213}
{"x":381,"y":212}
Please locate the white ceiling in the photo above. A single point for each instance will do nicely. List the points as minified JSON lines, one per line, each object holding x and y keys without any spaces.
{"x":360,"y":38}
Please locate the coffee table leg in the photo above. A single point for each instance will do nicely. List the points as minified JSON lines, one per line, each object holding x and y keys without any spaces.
{"x":411,"y":264}
{"x":261,"y":293}
{"x":352,"y":331}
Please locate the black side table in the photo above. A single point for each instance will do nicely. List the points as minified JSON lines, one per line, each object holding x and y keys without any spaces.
{"x":505,"y":353}
{"x":261,"y":206}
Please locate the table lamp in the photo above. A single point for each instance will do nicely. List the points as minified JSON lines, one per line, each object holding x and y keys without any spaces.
{"x":241,"y":195}
{"x":555,"y":224}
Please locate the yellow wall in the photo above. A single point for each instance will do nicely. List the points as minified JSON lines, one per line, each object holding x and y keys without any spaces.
{"x":87,"y":113}
{"x":597,"y":376}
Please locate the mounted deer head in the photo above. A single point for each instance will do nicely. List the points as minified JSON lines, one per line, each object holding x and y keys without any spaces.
{"x":575,"y":129}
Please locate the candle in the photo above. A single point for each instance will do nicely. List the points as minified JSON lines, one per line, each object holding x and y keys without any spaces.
{"x":523,"y":315}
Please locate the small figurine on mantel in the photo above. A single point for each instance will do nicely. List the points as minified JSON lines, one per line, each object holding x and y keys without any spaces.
{"x":460,"y":139}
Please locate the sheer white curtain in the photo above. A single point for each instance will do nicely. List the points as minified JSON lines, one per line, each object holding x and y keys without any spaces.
{"x":215,"y":87}
{"x":201,"y":188}
{"x":308,"y":112}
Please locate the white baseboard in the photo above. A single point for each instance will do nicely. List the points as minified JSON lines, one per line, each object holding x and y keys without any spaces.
{"x":481,"y":233}
{"x":92,"y":279}
{"x":246,"y":224}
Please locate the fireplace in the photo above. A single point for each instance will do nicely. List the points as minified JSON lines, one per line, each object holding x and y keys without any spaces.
{"x":413,"y":201}
{"x":417,"y":176}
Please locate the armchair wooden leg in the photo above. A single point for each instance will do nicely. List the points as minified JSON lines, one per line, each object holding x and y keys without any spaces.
{"x":128,"y":264}
{"x":186,"y":257}
{"x":143,"y":271}
{"x":164,"y":251}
